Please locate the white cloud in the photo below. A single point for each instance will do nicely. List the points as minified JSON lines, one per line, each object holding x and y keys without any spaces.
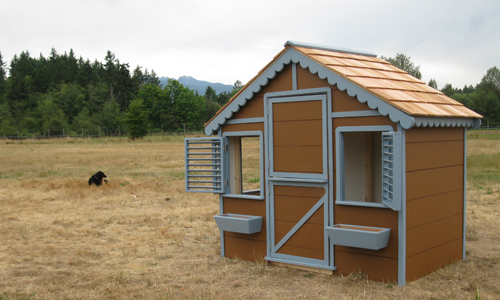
{"x":224,"y":41}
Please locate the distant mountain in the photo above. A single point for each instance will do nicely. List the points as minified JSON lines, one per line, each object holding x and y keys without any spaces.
{"x":199,"y":85}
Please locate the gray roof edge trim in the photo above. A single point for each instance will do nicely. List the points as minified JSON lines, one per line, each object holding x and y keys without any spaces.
{"x":261,"y":81}
{"x":328,"y":48}
{"x":363,"y":96}
{"x":447,"y":122}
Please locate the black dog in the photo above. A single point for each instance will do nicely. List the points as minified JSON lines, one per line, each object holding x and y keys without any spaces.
{"x":97,"y":178}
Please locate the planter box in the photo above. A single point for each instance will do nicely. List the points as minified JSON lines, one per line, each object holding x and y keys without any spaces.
{"x":239,"y":223}
{"x":373,"y":238}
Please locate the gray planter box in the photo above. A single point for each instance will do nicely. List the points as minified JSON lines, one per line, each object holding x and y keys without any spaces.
{"x":373,"y":238}
{"x":239,"y":223}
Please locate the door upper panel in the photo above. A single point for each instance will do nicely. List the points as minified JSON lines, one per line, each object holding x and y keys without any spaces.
{"x":297,"y":136}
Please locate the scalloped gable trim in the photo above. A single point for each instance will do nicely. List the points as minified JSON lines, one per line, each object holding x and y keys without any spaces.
{"x":293,"y":56}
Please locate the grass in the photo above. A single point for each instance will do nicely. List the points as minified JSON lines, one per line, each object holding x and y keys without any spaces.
{"x":142,"y":237}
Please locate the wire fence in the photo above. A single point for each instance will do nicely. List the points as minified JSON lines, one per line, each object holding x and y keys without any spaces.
{"x":121,"y":134}
{"x":103,"y":135}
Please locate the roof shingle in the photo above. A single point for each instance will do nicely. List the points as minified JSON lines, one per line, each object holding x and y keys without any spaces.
{"x":389,"y":83}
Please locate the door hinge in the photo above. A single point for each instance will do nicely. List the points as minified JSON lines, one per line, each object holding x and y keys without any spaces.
{"x":226,"y":147}
{"x":226,"y":182}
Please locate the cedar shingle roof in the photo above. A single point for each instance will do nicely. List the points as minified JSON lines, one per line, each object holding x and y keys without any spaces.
{"x":390,"y":84}
{"x":371,"y":80}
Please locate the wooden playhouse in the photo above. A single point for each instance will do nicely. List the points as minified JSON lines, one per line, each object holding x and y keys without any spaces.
{"x":362,"y":167}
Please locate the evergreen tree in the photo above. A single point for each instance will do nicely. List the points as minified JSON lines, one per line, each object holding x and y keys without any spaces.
{"x":404,"y":63}
{"x":3,"y":74}
{"x":84,"y":124}
{"x":53,"y":120}
{"x":110,"y":119}
{"x":137,"y":120}
{"x":433,"y":83}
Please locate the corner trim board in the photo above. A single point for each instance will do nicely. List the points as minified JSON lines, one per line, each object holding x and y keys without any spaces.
{"x":402,"y":215}
{"x":464,"y":233}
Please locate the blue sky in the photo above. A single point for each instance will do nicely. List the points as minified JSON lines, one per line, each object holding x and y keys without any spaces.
{"x":224,"y":41}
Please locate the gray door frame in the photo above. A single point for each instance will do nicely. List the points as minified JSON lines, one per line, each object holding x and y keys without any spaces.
{"x":325,"y":179}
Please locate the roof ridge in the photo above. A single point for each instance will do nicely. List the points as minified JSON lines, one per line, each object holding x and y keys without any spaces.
{"x":328,"y":48}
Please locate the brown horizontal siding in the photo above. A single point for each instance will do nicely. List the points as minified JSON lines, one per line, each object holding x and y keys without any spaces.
{"x":294,"y":208}
{"x":282,"y":82}
{"x":299,"y":159}
{"x":430,"y":155}
{"x":299,"y":191}
{"x":434,"y":192}
{"x":432,"y":259}
{"x":375,"y":267}
{"x":309,"y":235}
{"x":291,"y":204}
{"x":434,"y":134}
{"x":391,"y":251}
{"x":298,"y":133}
{"x":253,"y":109}
{"x":431,"y":235}
{"x":379,"y":265}
{"x":249,"y":247}
{"x":424,"y":183}
{"x":247,"y":207}
{"x":306,"y":80}
{"x":249,"y":250}
{"x":341,"y":101}
{"x":366,"y":216}
{"x":297,"y":111}
{"x":432,"y":208}
{"x":302,"y":252}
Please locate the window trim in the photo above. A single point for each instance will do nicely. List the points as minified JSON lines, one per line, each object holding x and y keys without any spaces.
{"x":340,"y":163}
{"x":227,"y":163}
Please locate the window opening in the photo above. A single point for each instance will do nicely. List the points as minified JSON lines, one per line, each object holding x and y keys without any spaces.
{"x":363,"y":166}
{"x":369,"y":166}
{"x":245,"y":165}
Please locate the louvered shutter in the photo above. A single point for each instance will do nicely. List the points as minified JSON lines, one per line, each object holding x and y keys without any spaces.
{"x":204,"y":164}
{"x":391,"y":170}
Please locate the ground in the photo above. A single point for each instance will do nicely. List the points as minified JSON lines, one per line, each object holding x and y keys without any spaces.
{"x":142,"y":237}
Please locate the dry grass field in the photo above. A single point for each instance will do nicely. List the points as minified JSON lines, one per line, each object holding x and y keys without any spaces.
{"x":142,"y":237}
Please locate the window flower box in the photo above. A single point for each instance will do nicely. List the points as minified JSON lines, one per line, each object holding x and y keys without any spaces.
{"x":373,"y":238}
{"x":239,"y":223}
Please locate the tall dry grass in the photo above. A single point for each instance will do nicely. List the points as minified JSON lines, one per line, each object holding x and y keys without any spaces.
{"x":142,"y":237}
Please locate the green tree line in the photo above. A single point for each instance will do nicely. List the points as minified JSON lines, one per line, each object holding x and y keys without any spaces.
{"x":63,"y":94}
